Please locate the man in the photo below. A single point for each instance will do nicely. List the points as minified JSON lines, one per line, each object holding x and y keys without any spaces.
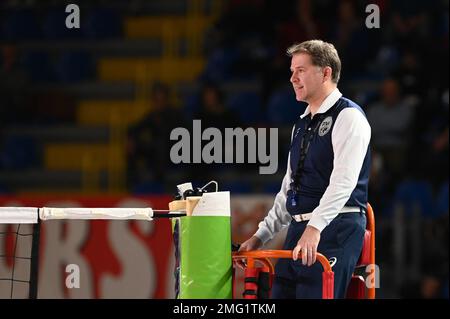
{"x":323,"y":196}
{"x":147,"y":148}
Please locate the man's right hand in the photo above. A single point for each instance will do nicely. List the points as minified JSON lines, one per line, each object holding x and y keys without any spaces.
{"x":251,"y":244}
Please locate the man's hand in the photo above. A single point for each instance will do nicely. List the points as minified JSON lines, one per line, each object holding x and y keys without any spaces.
{"x":307,"y":245}
{"x":250,"y":244}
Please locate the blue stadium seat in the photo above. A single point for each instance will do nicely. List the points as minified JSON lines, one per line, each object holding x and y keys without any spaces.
{"x":148,"y":188}
{"x":272,"y":188}
{"x":54,"y":26}
{"x":420,"y":193}
{"x":219,"y":64}
{"x":442,"y":200}
{"x":75,"y":67}
{"x":3,"y":189}
{"x":20,"y":25}
{"x":247,"y":106}
{"x":103,"y":23}
{"x":445,"y":289}
{"x":191,"y":105}
{"x":38,"y":66}
{"x":283,"y":108}
{"x":19,"y":153}
{"x":366,"y":97}
{"x":237,"y":187}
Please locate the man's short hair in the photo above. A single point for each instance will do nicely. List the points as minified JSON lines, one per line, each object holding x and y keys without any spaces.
{"x":322,"y":54}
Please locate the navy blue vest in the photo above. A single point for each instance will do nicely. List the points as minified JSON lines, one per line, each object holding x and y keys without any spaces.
{"x":318,"y":162}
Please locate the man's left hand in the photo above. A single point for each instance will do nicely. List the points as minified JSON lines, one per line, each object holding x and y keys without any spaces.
{"x":307,"y":245}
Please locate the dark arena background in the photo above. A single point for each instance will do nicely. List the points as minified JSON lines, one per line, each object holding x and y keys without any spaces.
{"x":91,"y":90}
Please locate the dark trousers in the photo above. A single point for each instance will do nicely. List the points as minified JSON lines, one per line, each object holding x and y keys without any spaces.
{"x":341,"y":240}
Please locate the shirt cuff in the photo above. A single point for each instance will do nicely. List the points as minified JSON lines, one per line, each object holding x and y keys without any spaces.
{"x":318,"y":222}
{"x":263,"y":234}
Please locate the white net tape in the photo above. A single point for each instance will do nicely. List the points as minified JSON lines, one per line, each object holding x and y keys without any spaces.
{"x":29,"y":215}
{"x":47,"y":213}
{"x":18,"y":215}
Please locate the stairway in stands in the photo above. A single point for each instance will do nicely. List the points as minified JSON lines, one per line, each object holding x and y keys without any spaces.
{"x":159,"y":41}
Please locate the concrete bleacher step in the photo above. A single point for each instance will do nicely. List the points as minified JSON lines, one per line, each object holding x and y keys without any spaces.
{"x":116,"y":47}
{"x":167,"y":70}
{"x":162,"y":26}
{"x":126,"y":90}
{"x":166,"y":7}
{"x":80,"y":156}
{"x":59,"y":133}
{"x":107,"y":112}
{"x":91,"y":89}
{"x":41,"y":180}
{"x":179,"y":7}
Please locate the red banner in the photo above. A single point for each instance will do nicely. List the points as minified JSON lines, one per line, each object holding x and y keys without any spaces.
{"x":116,"y":259}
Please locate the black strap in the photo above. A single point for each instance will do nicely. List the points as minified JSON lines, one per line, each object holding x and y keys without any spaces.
{"x":307,"y":137}
{"x":249,"y":293}
{"x":251,"y":279}
{"x":168,"y":215}
{"x":263,"y":285}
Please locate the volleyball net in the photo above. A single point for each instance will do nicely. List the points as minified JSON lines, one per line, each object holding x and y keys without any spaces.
{"x":19,"y":233}
{"x":21,"y":238}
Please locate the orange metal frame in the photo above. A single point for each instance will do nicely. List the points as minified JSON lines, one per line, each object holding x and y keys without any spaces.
{"x":371,"y":227}
{"x":263,"y":255}
{"x":327,"y":275}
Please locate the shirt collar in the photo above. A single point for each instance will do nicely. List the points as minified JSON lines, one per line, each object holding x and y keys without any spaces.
{"x":326,"y":104}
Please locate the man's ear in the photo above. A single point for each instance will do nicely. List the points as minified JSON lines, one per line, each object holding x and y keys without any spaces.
{"x":327,"y":73}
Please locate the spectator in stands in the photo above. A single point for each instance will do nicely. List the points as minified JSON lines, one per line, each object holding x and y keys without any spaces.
{"x":241,"y":19}
{"x":430,"y":152}
{"x":350,"y":39}
{"x":409,"y":20}
{"x":410,"y":76}
{"x":148,"y":140}
{"x":13,"y":86}
{"x":213,"y":113}
{"x":434,"y":264}
{"x":300,"y":27}
{"x":391,"y":119}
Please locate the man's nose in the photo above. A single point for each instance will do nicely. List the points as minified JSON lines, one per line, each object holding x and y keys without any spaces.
{"x":294,"y":78}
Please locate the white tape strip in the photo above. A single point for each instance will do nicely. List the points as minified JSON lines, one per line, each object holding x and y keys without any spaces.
{"x":47,"y":213}
{"x":18,"y":215}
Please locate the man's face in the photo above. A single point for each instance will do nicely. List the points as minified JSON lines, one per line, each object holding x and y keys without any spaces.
{"x":306,"y":78}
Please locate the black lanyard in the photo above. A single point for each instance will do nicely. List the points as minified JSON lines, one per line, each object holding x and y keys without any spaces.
{"x":306,"y":140}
